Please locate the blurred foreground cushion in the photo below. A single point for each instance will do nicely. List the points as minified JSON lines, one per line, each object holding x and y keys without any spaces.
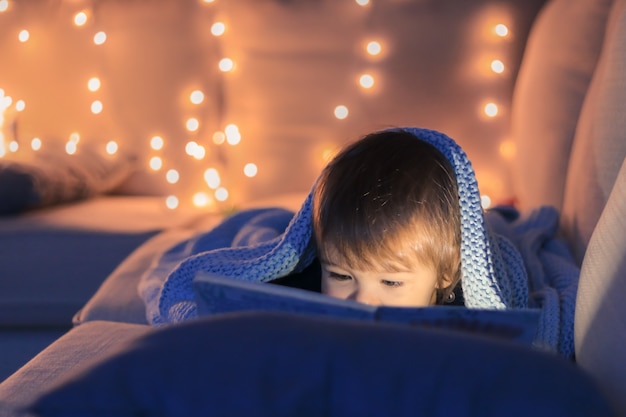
{"x":285,"y":365}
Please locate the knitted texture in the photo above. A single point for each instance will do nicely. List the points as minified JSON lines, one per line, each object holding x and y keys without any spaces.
{"x":493,"y":273}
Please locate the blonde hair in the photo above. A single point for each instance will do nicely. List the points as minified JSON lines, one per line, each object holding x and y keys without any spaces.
{"x":388,"y":201}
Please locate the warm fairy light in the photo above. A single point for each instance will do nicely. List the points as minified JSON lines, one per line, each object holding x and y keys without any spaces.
{"x":201,"y":199}
{"x":250,"y":170}
{"x":341,"y":112}
{"x":74,"y":137}
{"x":96,"y":107}
{"x":212,"y":178}
{"x":233,"y":137}
{"x":172,"y":176}
{"x":208,"y":1}
{"x":156,"y":143}
{"x":196,"y":97}
{"x":171,"y":202}
{"x":374,"y":48}
{"x":111,"y":147}
{"x":20,"y":105}
{"x":218,"y":29}
{"x":497,"y":66}
{"x":221,"y":194}
{"x":93,"y":84}
{"x":485,"y":201}
{"x":13,"y":146}
{"x":195,"y":150}
{"x":501,"y":30}
{"x":80,"y":18}
{"x":362,"y":2}
{"x":366,"y":81}
{"x":219,"y":138}
{"x":100,"y":38}
{"x":35,"y":144}
{"x":192,"y":124}
{"x":70,"y":147}
{"x":491,"y":109}
{"x":23,"y":36}
{"x":156,"y":163}
{"x":226,"y":65}
{"x":4,"y":5}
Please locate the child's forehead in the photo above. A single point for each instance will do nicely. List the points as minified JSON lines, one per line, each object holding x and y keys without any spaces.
{"x":397,"y":261}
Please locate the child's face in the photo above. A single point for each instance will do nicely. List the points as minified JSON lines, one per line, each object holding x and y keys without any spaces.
{"x":411,"y":288}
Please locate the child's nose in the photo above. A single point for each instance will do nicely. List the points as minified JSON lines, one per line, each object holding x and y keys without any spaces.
{"x":366,"y":297}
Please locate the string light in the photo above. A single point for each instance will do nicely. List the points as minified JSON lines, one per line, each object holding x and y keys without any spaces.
{"x":23,"y":36}
{"x":218,"y":29}
{"x":172,"y":176}
{"x":362,"y":2}
{"x":497,"y":66}
{"x":20,"y":105}
{"x":196,"y":97}
{"x":96,"y":107}
{"x":485,"y":201}
{"x":212,"y":178}
{"x":35,"y":144}
{"x":374,"y":48}
{"x":171,"y":202}
{"x":221,"y":194}
{"x":202,"y":199}
{"x":156,"y":163}
{"x":111,"y":147}
{"x":341,"y":112}
{"x":4,"y":5}
{"x":250,"y":170}
{"x":156,"y":143}
{"x":226,"y":65}
{"x":501,"y":30}
{"x":366,"y":81}
{"x":491,"y":109}
{"x":80,"y":19}
{"x":192,"y":124}
{"x":100,"y":38}
{"x":93,"y":84}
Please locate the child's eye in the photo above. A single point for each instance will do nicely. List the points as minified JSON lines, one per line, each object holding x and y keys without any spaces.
{"x":340,"y":277}
{"x":389,"y":283}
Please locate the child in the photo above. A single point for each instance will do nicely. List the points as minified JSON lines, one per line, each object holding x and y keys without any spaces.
{"x":386,"y":221}
{"x":397,"y":220}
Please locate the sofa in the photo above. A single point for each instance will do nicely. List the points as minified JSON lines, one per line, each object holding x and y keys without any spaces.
{"x":556,"y":139}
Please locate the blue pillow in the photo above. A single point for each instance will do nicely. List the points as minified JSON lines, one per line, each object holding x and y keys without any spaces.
{"x":16,"y":189}
{"x":274,"y":364}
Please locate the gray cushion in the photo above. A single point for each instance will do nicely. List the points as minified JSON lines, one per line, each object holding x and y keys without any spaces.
{"x":600,"y":327}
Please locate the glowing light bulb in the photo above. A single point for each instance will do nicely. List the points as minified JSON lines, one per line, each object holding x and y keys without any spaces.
{"x":93,"y":84}
{"x":71,"y":147}
{"x":212,"y":178}
{"x":14,"y":146}
{"x":250,"y":170}
{"x":100,"y":38}
{"x":80,"y":18}
{"x":485,"y":201}
{"x":111,"y":147}
{"x":96,"y":107}
{"x":374,"y":48}
{"x":23,"y":36}
{"x":226,"y":65}
{"x":219,"y":138}
{"x":35,"y":144}
{"x":221,"y":194}
{"x":208,"y":1}
{"x":497,"y":66}
{"x":501,"y":30}
{"x":218,"y":29}
{"x":192,"y":124}
{"x":341,"y":112}
{"x":491,"y":109}
{"x":233,"y":137}
{"x":4,"y":5}
{"x":196,"y":97}
{"x":20,"y":105}
{"x":366,"y":81}
{"x":362,"y":2}
{"x":195,"y":150}
{"x":156,"y":163}
{"x":201,"y":199}
{"x":74,"y":137}
{"x":172,"y":176}
{"x":156,"y":143}
{"x":171,"y":202}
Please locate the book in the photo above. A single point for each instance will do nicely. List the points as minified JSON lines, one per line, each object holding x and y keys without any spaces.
{"x":217,"y":294}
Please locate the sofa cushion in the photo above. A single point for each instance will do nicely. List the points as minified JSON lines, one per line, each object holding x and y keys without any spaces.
{"x":600,"y":143}
{"x":80,"y":347}
{"x":283,"y":365}
{"x":600,"y":327}
{"x":559,"y":61}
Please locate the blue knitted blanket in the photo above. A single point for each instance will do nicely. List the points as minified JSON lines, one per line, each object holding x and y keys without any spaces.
{"x":265,"y":244}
